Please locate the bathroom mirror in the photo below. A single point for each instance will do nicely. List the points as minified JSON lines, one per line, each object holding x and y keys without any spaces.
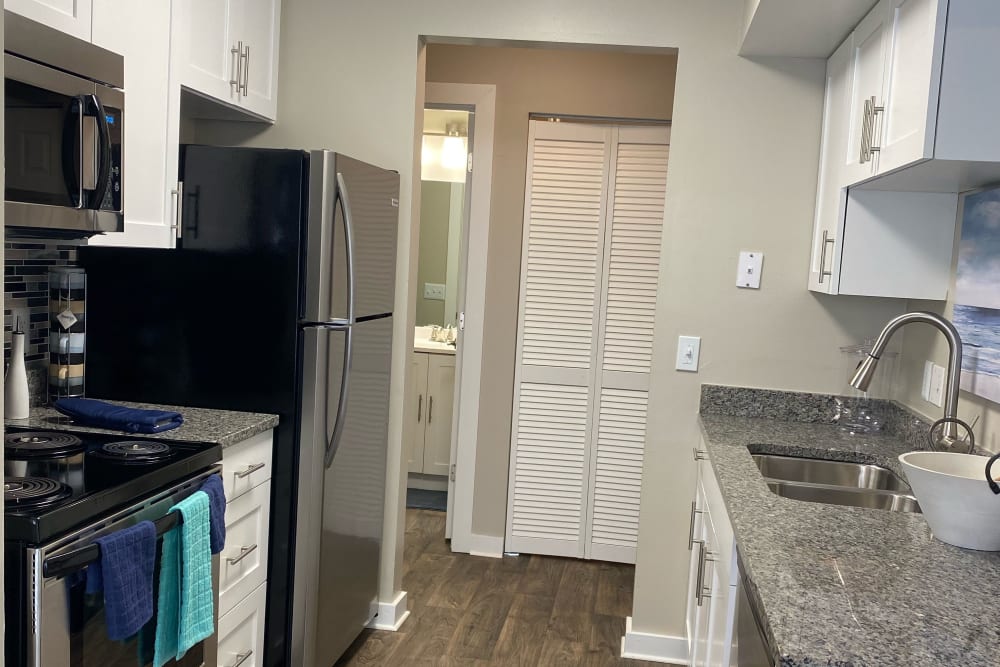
{"x":443,"y":171}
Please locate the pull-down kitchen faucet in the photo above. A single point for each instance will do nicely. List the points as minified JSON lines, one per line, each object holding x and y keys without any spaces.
{"x":866,"y":369}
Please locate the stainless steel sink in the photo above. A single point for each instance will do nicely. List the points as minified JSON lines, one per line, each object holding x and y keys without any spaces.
{"x":832,"y":495}
{"x":836,"y":482}
{"x":836,"y":473}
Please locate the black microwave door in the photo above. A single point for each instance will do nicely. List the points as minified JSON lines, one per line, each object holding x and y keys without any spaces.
{"x":42,"y":143}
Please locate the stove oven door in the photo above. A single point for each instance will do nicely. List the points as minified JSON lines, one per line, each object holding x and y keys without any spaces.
{"x":67,"y":627}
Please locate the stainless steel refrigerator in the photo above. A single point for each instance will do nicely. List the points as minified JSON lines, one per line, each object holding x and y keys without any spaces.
{"x":278,"y":299}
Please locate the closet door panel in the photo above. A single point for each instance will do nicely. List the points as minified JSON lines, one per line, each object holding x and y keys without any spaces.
{"x":633,"y":234}
{"x":561,"y":265}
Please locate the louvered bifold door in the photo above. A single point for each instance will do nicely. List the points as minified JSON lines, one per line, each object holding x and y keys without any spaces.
{"x":631,"y":261}
{"x":556,"y":364}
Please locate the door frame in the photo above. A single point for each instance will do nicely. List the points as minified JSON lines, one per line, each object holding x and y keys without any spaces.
{"x":481,"y":99}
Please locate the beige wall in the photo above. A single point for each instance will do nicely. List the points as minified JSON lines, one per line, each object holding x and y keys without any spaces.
{"x":744,"y":155}
{"x":922,"y":343}
{"x":587,"y":83}
{"x":432,"y":267}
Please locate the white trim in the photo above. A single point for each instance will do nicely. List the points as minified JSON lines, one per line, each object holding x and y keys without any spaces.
{"x":469,"y":355}
{"x":392,"y":614}
{"x":487,"y":546}
{"x":654,"y":648}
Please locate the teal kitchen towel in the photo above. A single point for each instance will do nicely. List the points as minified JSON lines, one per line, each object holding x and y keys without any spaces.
{"x":186,"y":604}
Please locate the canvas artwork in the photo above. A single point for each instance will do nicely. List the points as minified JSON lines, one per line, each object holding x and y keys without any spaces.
{"x":977,"y":294}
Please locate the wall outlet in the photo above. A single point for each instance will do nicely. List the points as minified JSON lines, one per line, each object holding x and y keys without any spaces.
{"x":925,"y":386}
{"x":936,"y":394}
{"x":434,"y":291}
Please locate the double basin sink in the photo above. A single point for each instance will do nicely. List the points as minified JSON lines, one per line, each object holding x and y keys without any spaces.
{"x":836,"y":482}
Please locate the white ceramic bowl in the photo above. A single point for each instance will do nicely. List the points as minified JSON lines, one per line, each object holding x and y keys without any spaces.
{"x":955,"y":498}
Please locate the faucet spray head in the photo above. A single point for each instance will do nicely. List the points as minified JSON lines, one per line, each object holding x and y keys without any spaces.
{"x":864,"y":373}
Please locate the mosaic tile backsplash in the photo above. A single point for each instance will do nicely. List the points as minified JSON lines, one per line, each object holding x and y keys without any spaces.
{"x":26,"y":266}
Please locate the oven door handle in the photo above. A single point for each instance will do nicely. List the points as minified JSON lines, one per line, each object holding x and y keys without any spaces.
{"x":104,"y":151}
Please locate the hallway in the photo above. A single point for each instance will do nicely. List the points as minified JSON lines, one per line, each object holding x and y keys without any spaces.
{"x":528,"y":610}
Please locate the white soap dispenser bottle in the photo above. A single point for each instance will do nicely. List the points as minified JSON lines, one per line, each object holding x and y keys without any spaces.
{"x":15,"y":404}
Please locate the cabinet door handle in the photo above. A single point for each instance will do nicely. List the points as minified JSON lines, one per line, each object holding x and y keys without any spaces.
{"x":176,"y":199}
{"x":876,"y":112}
{"x":827,"y":241}
{"x":420,"y":407}
{"x":236,"y":66}
{"x":251,"y":469}
{"x":699,"y":582}
{"x":699,"y":454}
{"x":865,"y":131}
{"x":244,"y":552}
{"x":246,"y":70}
{"x":242,"y":657}
{"x":694,"y":512}
{"x":430,"y":409}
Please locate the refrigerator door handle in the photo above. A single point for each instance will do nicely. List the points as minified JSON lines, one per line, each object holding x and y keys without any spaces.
{"x":338,"y":426}
{"x":345,"y":207}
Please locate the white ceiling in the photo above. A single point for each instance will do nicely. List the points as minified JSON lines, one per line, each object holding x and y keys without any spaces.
{"x":801,"y":28}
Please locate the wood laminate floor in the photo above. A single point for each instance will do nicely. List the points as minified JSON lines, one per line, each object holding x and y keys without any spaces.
{"x":525,"y":611}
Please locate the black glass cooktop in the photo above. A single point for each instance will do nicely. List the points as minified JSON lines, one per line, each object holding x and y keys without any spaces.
{"x":55,"y":481}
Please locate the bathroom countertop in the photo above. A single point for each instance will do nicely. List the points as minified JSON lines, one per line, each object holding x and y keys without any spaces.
{"x":848,"y":586}
{"x":432,"y":347}
{"x":224,"y":427}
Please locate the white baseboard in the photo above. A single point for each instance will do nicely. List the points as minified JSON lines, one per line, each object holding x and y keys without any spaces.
{"x":489,"y":546}
{"x":392,"y":614}
{"x":654,"y":648}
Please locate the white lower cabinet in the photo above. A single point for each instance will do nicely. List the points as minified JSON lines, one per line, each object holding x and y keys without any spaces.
{"x":246,"y":474}
{"x":433,"y":388}
{"x":711,"y":607}
{"x":241,"y":632}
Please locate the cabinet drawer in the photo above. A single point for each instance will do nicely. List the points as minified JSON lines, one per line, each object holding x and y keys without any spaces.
{"x":247,"y":464}
{"x":241,"y":632}
{"x":243,"y":563}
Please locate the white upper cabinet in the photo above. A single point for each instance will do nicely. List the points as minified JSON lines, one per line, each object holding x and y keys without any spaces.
{"x":868,"y":50}
{"x":227,"y":51}
{"x":70,"y":16}
{"x":834,"y":160}
{"x":912,"y":81}
{"x":141,"y":33}
{"x":259,"y":32}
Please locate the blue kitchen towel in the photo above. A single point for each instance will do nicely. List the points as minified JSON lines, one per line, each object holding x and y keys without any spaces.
{"x":186,"y":607}
{"x":89,"y":412}
{"x":217,"y":509}
{"x":127,"y":562}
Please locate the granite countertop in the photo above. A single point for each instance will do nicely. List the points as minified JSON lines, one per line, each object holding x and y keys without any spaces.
{"x":848,"y":586}
{"x":224,"y":427}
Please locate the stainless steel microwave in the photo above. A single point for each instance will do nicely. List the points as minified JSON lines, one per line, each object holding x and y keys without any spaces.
{"x":64,"y":113}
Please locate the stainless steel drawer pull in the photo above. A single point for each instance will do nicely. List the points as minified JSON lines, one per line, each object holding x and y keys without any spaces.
{"x":420,"y":407}
{"x":250,"y":470}
{"x":236,"y":67}
{"x":430,"y":409}
{"x":827,"y":241}
{"x":242,"y":657}
{"x":694,"y":512}
{"x":699,"y":454}
{"x":703,"y":591}
{"x":244,"y":552}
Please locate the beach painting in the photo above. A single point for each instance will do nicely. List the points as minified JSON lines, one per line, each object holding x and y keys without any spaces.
{"x":977,"y":294}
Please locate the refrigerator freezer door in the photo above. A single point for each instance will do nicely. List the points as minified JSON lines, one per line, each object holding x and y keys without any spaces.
{"x":360,"y":218}
{"x":340,"y":517}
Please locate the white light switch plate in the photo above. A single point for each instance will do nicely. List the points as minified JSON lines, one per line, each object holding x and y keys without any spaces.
{"x":434,"y":291}
{"x":688,"y":349}
{"x":937,"y":386}
{"x":748,"y":272}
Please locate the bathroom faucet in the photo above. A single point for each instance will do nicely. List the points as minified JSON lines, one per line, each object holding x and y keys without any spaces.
{"x":866,"y":369}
